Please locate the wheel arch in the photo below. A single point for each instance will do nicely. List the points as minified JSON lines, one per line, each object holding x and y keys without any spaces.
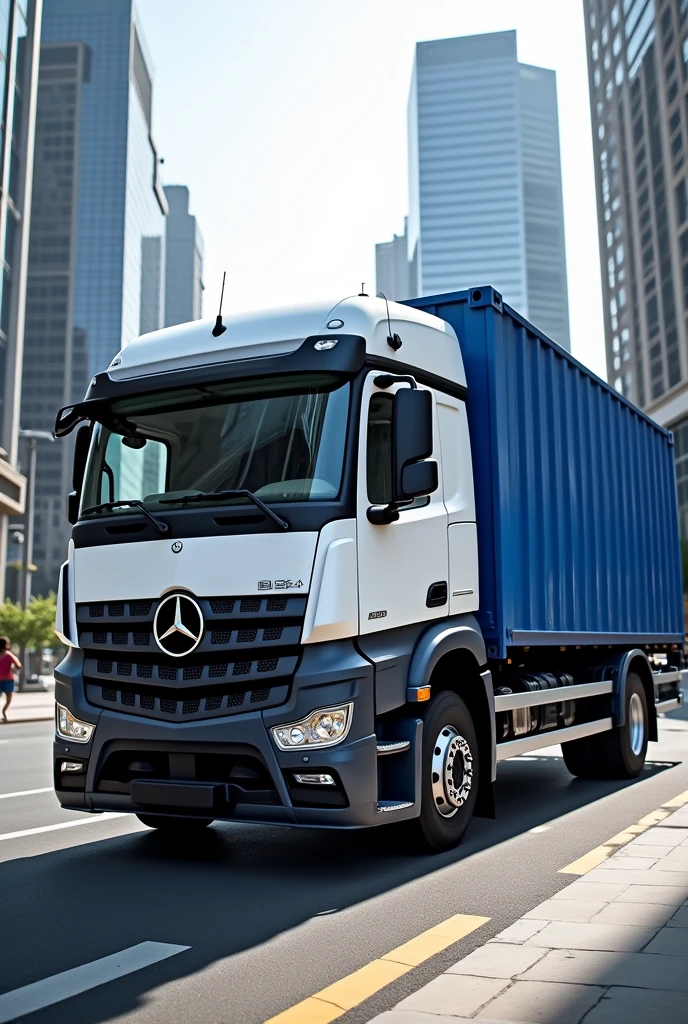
{"x":451,"y":656}
{"x":459,"y":633}
{"x":635,"y":661}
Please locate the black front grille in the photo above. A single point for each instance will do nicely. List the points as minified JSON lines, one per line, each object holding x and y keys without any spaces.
{"x":187,"y":705}
{"x":246,"y":639}
{"x":139,"y":608}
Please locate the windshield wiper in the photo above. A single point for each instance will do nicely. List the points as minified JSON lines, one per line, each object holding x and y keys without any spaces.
{"x":225,"y":496}
{"x":108,"y":506}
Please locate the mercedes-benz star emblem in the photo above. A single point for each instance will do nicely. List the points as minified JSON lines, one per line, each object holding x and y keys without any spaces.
{"x":178,"y":625}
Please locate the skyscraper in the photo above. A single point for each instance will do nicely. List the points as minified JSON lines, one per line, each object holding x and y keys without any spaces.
{"x":20,"y":26}
{"x":183,"y":260}
{"x":97,"y":254}
{"x":485,"y":177}
{"x":638,"y":74}
{"x":394,"y":275}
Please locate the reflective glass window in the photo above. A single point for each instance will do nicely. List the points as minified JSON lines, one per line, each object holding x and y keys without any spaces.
{"x":5,"y":6}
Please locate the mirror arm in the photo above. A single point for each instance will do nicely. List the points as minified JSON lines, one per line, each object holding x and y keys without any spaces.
{"x":383,"y":515}
{"x":385,"y":380}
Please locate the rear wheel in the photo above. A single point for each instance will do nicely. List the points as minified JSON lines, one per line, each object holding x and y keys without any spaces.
{"x":449,"y":784}
{"x":170,"y":823}
{"x":619,"y":753}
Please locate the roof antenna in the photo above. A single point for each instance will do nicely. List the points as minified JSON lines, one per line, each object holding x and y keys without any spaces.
{"x":393,"y":340}
{"x":219,"y":327}
{"x":363,"y":294}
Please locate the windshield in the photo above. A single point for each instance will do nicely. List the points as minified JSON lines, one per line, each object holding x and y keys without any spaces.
{"x":282,"y":438}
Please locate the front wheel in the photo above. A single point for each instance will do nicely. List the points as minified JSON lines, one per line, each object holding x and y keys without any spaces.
{"x":170,"y":823}
{"x":450,"y":772}
{"x":619,"y":753}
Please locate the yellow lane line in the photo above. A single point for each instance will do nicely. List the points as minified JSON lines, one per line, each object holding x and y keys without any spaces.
{"x":336,"y":999}
{"x":597,"y":856}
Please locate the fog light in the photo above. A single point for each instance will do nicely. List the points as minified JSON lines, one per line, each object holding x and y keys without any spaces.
{"x":69,"y":727}
{"x":315,"y":780}
{"x":71,"y":766}
{"x":321,"y":729}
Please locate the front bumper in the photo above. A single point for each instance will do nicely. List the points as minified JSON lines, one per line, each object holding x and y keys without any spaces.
{"x":329,"y":674}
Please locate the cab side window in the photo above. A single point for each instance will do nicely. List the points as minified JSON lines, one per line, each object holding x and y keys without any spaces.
{"x":379,"y":459}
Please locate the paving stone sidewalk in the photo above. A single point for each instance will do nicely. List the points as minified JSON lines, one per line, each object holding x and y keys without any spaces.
{"x":611,"y":948}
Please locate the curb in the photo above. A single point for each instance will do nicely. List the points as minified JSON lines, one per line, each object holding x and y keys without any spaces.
{"x":24,"y":721}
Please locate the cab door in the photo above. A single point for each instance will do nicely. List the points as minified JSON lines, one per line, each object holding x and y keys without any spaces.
{"x":403,"y":566}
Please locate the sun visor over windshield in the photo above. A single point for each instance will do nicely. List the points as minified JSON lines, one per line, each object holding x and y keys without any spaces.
{"x":331,"y":353}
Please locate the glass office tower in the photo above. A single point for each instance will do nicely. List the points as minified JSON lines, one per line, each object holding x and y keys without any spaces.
{"x":97,"y":255}
{"x":638,"y":80}
{"x":183,"y":260}
{"x":20,"y":22}
{"x":485,"y":177}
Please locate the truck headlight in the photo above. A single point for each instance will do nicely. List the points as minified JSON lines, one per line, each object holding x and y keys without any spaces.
{"x":321,"y":728}
{"x":69,"y":727}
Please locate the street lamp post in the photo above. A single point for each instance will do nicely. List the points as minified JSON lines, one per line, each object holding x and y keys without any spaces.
{"x":33,"y":437}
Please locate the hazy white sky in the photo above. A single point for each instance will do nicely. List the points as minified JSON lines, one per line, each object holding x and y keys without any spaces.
{"x":287,"y":120}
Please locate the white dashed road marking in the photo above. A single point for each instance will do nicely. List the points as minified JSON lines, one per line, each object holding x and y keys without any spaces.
{"x":26,"y":792}
{"x":63,"y":824}
{"x":52,"y":990}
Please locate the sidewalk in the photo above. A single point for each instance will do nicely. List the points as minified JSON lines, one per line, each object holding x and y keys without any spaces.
{"x":32,"y":707}
{"x":611,"y":947}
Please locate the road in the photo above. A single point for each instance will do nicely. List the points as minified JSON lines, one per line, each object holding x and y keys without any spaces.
{"x":269,"y":915}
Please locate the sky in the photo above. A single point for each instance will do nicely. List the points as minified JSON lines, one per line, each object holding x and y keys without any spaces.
{"x":287,"y":121}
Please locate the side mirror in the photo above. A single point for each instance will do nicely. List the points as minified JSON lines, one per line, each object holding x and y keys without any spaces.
{"x":414,"y":474}
{"x":82,"y":443}
{"x":73,"y":506}
{"x":419,"y":478}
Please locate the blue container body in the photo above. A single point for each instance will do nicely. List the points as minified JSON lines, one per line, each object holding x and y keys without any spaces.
{"x":575,"y":488}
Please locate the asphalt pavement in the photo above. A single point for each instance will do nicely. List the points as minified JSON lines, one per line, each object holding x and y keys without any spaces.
{"x":241,"y":922}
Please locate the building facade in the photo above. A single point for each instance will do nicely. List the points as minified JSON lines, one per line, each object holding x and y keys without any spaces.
{"x":638,"y":79}
{"x":96,"y":260}
{"x":183,"y":260}
{"x":485,"y":177}
{"x":395,"y":275}
{"x":20,"y":22}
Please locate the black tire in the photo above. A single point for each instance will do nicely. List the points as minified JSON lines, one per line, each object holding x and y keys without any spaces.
{"x":171,"y":823}
{"x":441,"y":825}
{"x":619,"y":753}
{"x":581,"y":757}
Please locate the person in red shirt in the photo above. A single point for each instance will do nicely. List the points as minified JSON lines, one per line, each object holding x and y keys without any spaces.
{"x":8,"y":663}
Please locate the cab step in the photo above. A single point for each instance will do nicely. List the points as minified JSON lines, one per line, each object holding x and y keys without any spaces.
{"x":384,"y":806}
{"x":385,"y":747}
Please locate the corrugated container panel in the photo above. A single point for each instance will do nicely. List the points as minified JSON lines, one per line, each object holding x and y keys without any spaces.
{"x":575,"y":491}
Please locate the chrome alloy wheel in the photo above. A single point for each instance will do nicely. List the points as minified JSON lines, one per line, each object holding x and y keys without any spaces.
{"x":636,"y":724}
{"x":452,"y":771}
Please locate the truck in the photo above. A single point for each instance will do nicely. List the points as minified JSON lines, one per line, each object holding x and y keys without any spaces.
{"x":330,"y":565}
